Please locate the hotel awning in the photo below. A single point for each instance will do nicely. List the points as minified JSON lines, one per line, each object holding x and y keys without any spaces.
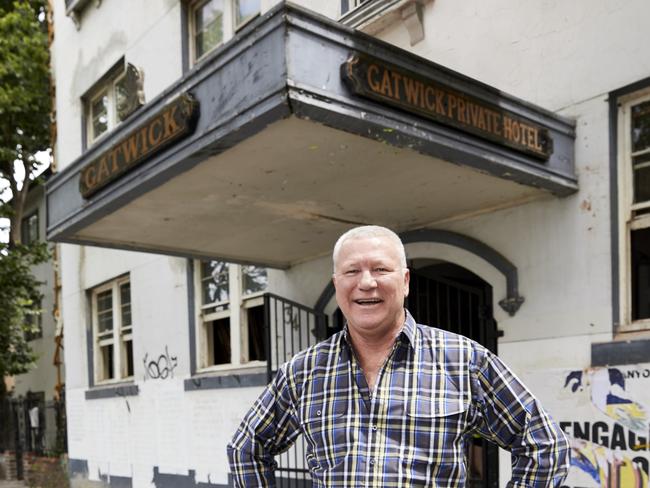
{"x":295,"y":130}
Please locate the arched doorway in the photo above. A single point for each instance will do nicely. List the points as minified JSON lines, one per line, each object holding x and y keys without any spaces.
{"x":450,"y":297}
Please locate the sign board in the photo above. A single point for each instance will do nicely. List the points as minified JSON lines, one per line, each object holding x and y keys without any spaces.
{"x":174,"y":122}
{"x":409,"y":91}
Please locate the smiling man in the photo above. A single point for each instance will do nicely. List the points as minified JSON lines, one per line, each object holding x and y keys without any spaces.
{"x":389,"y":402}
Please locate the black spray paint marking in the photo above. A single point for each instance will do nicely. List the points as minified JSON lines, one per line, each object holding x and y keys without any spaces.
{"x":161,"y":368}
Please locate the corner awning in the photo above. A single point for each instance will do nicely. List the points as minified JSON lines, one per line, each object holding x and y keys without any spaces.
{"x":295,"y":130}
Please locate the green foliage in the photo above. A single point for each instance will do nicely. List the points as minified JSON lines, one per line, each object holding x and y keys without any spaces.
{"x":25,"y":106}
{"x":19,"y":292}
{"x":24,"y":86}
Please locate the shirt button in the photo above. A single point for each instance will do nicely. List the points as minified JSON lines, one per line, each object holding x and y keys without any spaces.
{"x":372,"y":461}
{"x":374,"y":427}
{"x":318,"y":412}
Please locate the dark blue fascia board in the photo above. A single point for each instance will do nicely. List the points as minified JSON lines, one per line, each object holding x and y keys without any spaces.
{"x":287,"y":63}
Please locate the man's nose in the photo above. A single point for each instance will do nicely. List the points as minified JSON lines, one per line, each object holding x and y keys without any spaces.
{"x":367,"y":280}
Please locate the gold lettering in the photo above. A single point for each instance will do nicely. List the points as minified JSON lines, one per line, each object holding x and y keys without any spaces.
{"x":496,"y":123}
{"x":516,"y":131}
{"x":171,"y":127}
{"x":452,"y":103}
{"x":412,"y":92}
{"x":155,"y":135}
{"x":142,"y":133}
{"x":421,"y":93}
{"x":396,"y":78}
{"x":90,"y":177}
{"x":440,"y":106}
{"x":536,"y":145}
{"x":430,"y":98}
{"x":114,"y":158}
{"x":103,"y":172}
{"x":129,"y":149}
{"x":481,"y":118}
{"x":507,"y":127}
{"x":373,"y":70}
{"x":461,"y":110}
{"x":474,"y":110}
{"x":385,"y":85}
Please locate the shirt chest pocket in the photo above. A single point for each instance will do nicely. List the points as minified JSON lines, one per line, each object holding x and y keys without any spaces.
{"x":326,"y":430}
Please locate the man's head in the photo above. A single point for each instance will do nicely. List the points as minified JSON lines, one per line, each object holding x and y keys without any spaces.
{"x":371,"y":279}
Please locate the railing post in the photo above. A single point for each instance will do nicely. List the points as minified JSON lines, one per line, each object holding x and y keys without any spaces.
{"x":267,"y":334}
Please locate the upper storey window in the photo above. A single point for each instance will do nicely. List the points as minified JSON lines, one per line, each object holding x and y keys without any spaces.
{"x":112,"y":99}
{"x":634,"y":176}
{"x":214,"y":21}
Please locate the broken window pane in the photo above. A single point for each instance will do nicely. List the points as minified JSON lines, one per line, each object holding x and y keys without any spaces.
{"x":640,"y":243}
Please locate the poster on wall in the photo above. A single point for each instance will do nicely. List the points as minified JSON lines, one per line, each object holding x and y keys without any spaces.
{"x":605,"y":413}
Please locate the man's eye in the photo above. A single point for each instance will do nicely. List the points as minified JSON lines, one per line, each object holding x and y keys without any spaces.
{"x":351,"y":272}
{"x":381,"y":270}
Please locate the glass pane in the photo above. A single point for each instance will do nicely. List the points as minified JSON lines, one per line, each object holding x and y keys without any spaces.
{"x":254,"y":279}
{"x":214,"y":281}
{"x":105,"y":310}
{"x":641,"y":167}
{"x":106,"y":353}
{"x":121,"y":99}
{"x":640,"y":240}
{"x":128,"y":359}
{"x":641,"y":126}
{"x":219,"y":330}
{"x":256,"y":342}
{"x":247,"y":9}
{"x":208,"y":26}
{"x":125,"y":300}
{"x":99,"y":115}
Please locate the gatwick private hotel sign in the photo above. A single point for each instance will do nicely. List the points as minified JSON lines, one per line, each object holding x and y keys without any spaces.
{"x":174,"y":121}
{"x":374,"y":79}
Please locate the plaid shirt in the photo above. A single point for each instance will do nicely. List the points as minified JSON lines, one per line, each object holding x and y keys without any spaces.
{"x":433,"y":393}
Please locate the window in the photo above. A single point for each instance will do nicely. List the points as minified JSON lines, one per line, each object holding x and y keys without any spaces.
{"x":231,"y":313}
{"x":112,"y":331}
{"x":214,"y":21}
{"x":347,"y":5}
{"x":116,"y":96}
{"x":634,"y":211}
{"x":29,"y":229}
{"x":34,"y":321}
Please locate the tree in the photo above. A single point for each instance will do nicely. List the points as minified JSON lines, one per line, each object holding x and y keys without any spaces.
{"x":25,"y":105}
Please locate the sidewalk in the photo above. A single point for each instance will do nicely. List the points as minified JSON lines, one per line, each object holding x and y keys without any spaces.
{"x":12,"y":484}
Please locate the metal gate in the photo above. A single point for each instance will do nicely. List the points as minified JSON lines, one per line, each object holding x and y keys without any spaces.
{"x":290,"y":328}
{"x":464,"y":309}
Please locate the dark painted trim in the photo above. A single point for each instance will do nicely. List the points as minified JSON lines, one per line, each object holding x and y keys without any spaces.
{"x":620,"y":352}
{"x":164,"y":480}
{"x":510,"y":303}
{"x":191,"y":313}
{"x":225,"y":381}
{"x":614,"y":98}
{"x":100,"y":392}
{"x":90,"y":347}
{"x":78,"y":467}
{"x":185,"y":37}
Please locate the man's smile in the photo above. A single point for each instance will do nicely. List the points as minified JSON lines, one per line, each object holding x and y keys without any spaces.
{"x":368,"y":301}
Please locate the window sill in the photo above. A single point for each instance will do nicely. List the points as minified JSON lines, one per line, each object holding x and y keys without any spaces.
{"x":112,"y":391}
{"x":228,"y":379}
{"x":623,"y":350}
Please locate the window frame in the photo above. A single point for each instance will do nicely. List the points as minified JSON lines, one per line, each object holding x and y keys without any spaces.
{"x":119,"y":336}
{"x":238,"y":304}
{"x":103,"y":87}
{"x":230,"y":27}
{"x":24,"y":223}
{"x":627,"y":221}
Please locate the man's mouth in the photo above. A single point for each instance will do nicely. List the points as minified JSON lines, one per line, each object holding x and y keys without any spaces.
{"x":368,"y":301}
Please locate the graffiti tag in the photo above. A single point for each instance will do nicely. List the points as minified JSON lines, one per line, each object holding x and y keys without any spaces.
{"x":160,"y":368}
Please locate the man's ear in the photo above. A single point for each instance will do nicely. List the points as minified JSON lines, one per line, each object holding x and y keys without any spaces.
{"x":407,"y":279}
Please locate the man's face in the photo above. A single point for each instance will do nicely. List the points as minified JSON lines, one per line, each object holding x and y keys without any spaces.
{"x":371,"y":284}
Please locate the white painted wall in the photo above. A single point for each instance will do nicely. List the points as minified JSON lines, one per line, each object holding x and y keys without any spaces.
{"x":562,"y":56}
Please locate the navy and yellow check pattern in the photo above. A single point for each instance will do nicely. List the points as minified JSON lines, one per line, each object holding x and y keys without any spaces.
{"x":435,"y":391}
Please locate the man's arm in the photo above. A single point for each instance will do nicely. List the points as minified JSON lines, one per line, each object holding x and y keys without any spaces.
{"x":513,"y":418}
{"x":269,"y":428}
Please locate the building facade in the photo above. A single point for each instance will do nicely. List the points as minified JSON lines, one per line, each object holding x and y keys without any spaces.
{"x":211,"y":152}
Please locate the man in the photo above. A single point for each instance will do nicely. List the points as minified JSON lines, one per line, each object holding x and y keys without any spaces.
{"x":388,"y":402}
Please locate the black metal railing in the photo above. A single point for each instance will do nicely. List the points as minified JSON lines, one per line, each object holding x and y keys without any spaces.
{"x":290,"y":328}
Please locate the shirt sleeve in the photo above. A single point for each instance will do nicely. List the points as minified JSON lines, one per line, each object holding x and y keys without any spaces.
{"x":269,"y":428}
{"x":509,"y":415}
